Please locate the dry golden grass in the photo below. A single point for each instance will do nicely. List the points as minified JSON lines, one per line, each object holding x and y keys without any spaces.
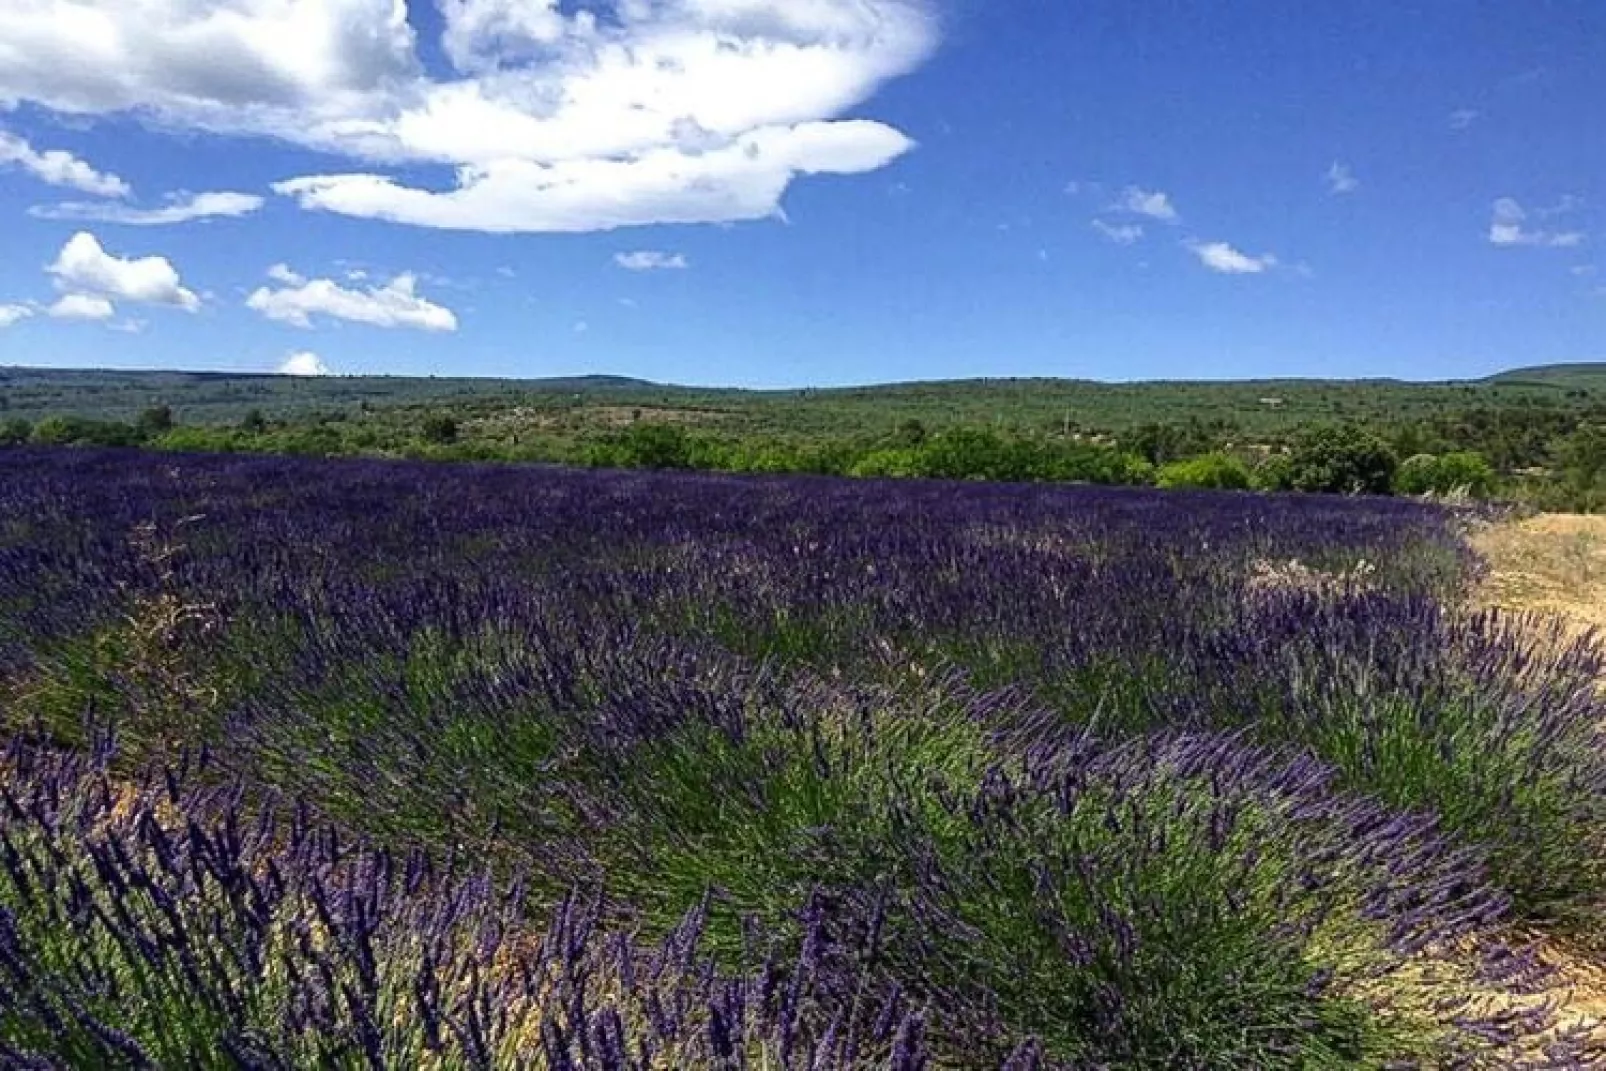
{"x":1554,"y":563}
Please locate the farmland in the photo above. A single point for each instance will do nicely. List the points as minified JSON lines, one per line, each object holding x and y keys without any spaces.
{"x":383,"y":764}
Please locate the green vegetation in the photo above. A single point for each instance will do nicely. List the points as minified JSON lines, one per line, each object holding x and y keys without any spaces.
{"x":1537,"y":435}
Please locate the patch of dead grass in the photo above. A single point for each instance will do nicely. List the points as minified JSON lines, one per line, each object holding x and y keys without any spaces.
{"x":1554,"y":563}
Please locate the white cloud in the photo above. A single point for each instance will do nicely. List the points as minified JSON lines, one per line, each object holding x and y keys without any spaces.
{"x":1462,"y":118}
{"x":1154,"y":204}
{"x":83,"y":267}
{"x":1341,"y":180}
{"x":650,"y":260}
{"x":182,"y":208}
{"x":742,"y":181}
{"x":658,"y":111}
{"x":1120,"y":233}
{"x":192,"y":63}
{"x":11,"y":314}
{"x":55,"y":167}
{"x":395,"y":304}
{"x":304,"y":363}
{"x":82,"y":307}
{"x":1584,"y":271}
{"x":1508,"y":228}
{"x":581,"y":327}
{"x":1224,"y":258}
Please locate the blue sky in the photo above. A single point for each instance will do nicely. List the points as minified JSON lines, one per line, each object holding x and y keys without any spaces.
{"x":790,"y":192}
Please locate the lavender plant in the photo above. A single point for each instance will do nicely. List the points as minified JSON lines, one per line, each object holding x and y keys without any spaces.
{"x":1027,"y":777}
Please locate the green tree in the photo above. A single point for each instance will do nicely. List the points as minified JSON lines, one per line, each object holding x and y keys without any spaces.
{"x":891,"y":463}
{"x":1461,"y":471}
{"x":254,"y":422}
{"x":650,"y":446}
{"x":910,"y":433}
{"x":1582,"y":456}
{"x":440,"y":429}
{"x":1274,"y":473}
{"x":1418,"y":475}
{"x":1342,"y":459}
{"x":967,"y":454}
{"x":156,"y":420}
{"x":15,"y":432}
{"x":1217,"y":472}
{"x":80,"y":431}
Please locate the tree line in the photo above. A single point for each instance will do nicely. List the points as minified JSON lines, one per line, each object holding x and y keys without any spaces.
{"x":1554,"y":460}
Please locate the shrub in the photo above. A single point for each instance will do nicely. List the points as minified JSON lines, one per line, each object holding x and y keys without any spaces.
{"x":1462,"y":472}
{"x":439,"y":428}
{"x":156,"y":420}
{"x":1216,"y":472}
{"x":891,"y":463}
{"x":1342,"y":460}
{"x":1274,"y":473}
{"x":79,"y":431}
{"x":15,"y":432}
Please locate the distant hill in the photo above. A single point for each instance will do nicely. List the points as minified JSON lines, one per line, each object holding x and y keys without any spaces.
{"x":1256,"y":406}
{"x":206,"y":397}
{"x":1583,"y":376}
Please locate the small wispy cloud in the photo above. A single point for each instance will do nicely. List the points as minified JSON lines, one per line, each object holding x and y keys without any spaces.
{"x":1151,"y":203}
{"x":1341,"y":179}
{"x":58,"y":168}
{"x":1509,"y":228}
{"x":1566,"y":204}
{"x":181,"y":208}
{"x":1227,"y":260}
{"x":1462,"y":118}
{"x":1119,"y":233}
{"x":12,"y":314}
{"x":651,"y":260}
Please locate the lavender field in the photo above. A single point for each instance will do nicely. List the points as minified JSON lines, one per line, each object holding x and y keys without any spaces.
{"x":386,"y":765}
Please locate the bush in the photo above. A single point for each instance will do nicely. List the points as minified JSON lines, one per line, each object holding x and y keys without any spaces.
{"x":644,"y":446}
{"x":1342,"y":460}
{"x":78,"y":431}
{"x":1215,"y":472}
{"x":1464,"y":471}
{"x":890,"y":463}
{"x":439,"y":428}
{"x":967,"y":454}
{"x":15,"y":432}
{"x":156,"y":420}
{"x":1274,"y":473}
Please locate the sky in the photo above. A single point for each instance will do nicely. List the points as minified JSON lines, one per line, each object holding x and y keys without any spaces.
{"x":775,"y":193}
